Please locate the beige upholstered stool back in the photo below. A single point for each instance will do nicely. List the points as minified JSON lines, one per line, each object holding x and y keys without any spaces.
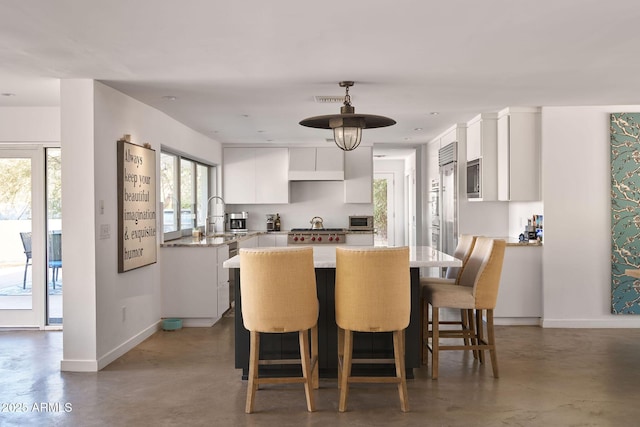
{"x":463,"y":250}
{"x":278,"y":288}
{"x":482,"y":271}
{"x":373,"y":292}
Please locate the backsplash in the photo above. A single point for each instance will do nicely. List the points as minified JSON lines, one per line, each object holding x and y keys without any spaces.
{"x":306,"y":200}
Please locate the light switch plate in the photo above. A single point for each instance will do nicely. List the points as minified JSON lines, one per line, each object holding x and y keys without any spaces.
{"x":105,"y":231}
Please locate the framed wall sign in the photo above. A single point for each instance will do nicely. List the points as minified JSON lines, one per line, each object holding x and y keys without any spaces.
{"x":137,"y":244}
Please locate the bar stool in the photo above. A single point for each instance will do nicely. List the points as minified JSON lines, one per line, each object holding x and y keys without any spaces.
{"x":478,"y":291}
{"x":278,"y":290}
{"x":452,"y":277}
{"x":373,"y":294}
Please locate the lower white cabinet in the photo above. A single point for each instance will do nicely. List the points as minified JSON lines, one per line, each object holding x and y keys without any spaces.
{"x":223,"y":280}
{"x":271,"y":240}
{"x":360,"y":239}
{"x":251,"y":242}
{"x":520,"y":291}
{"x":194,"y":288}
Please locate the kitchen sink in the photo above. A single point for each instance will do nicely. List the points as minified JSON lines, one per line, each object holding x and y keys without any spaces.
{"x":226,"y":236}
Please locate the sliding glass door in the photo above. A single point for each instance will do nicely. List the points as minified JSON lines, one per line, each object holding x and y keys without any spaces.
{"x":22,"y":233}
{"x":53,"y":184}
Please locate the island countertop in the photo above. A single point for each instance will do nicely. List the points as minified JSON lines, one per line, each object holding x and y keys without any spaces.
{"x":419,"y":256}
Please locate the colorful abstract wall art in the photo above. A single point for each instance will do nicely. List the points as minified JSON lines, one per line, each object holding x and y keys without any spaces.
{"x":625,"y":212}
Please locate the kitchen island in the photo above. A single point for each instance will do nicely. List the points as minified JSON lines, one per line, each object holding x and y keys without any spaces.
{"x":366,"y":345}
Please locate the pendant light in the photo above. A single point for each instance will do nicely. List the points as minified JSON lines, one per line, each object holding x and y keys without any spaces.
{"x":347,"y":126}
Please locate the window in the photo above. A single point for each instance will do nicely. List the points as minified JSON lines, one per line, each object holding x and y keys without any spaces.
{"x":185,"y":188}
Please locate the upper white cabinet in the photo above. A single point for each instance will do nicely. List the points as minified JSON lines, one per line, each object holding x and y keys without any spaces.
{"x":316,"y":164}
{"x":255,"y":175}
{"x":358,"y":175}
{"x":482,"y":144}
{"x":519,"y":141}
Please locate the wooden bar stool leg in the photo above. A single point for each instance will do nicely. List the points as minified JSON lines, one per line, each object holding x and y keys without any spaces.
{"x":480,"y":339}
{"x":398,"y":351}
{"x":306,"y":369}
{"x":340,"y":355}
{"x":492,"y":343}
{"x":254,"y":355}
{"x":435,"y":337}
{"x":424,"y":328}
{"x":464,"y":323}
{"x":346,"y":370}
{"x":473,"y":331}
{"x":314,"y":357}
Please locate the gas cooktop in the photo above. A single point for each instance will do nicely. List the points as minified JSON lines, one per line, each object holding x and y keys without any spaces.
{"x":311,"y":236}
{"x":317,"y":230}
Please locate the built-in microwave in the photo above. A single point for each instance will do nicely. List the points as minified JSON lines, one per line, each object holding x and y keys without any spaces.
{"x":361,"y":223}
{"x":474,"y":175}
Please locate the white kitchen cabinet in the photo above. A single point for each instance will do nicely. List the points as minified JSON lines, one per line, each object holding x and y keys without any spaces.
{"x":223,"y":280}
{"x":359,"y":239}
{"x":251,"y":242}
{"x":316,"y":164}
{"x":520,"y":292}
{"x":255,"y":175}
{"x":482,"y":134}
{"x":519,"y":142}
{"x":450,"y":135}
{"x":358,"y":175}
{"x":271,"y":240}
{"x":195,"y":287}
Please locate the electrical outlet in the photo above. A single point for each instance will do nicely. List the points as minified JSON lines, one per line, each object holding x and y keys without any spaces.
{"x":124,"y":314}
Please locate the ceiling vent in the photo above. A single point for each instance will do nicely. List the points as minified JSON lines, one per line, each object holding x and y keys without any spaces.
{"x":329,"y":99}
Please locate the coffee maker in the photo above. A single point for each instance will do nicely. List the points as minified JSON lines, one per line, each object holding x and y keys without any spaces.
{"x":271,"y":222}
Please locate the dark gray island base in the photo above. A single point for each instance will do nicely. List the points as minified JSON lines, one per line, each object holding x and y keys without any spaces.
{"x":366,"y":345}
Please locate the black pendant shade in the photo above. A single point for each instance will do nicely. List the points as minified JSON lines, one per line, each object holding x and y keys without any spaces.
{"x":347,"y":126}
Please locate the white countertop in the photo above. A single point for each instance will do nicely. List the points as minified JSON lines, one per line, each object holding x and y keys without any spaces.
{"x":419,"y":256}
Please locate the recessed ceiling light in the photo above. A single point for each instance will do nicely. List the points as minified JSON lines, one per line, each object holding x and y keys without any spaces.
{"x":8,"y":94}
{"x":417,"y":129}
{"x":170,"y":97}
{"x":434,"y":113}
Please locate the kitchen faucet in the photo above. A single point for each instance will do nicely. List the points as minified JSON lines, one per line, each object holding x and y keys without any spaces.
{"x":208,"y":225}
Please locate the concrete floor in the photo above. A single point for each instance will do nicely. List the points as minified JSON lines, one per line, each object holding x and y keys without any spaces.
{"x":549,"y":377}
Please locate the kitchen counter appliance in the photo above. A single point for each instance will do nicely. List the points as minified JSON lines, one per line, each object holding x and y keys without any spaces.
{"x":271,"y":222}
{"x":238,"y":222}
{"x":361,"y":223}
{"x":310,"y":236}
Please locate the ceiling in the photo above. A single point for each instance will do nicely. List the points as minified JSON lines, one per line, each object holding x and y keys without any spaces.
{"x":248,"y":71}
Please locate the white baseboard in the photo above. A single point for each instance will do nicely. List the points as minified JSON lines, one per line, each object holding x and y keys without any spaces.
{"x":79,"y":365}
{"x":95,"y":365}
{"x":617,"y":321}
{"x":516,"y":321}
{"x":129,"y":344}
{"x":199,"y":322}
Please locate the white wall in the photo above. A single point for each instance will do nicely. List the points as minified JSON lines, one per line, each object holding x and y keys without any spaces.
{"x":29,"y":124}
{"x":94,"y":117}
{"x":576,"y":185}
{"x":78,"y":225}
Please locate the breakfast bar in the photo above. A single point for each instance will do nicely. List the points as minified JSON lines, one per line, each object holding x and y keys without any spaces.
{"x":366,"y":345}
